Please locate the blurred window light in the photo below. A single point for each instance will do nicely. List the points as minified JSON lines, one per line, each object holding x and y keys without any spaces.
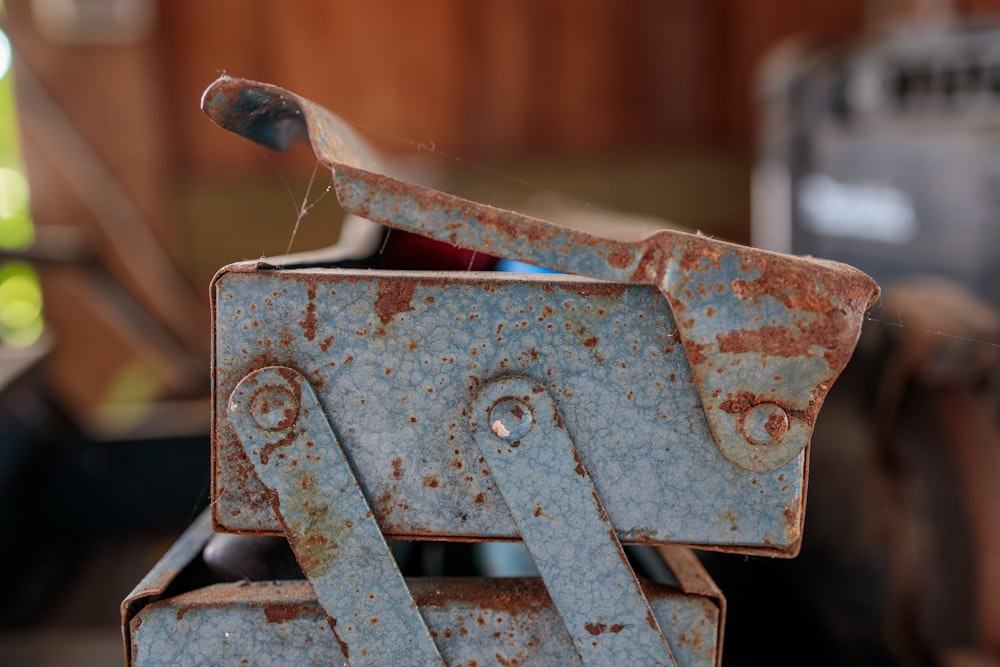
{"x":4,"y":54}
{"x":21,"y":322}
{"x":867,"y":211}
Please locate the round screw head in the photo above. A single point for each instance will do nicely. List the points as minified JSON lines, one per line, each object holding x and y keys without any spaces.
{"x":274,"y":408}
{"x":510,"y":419}
{"x":764,"y":424}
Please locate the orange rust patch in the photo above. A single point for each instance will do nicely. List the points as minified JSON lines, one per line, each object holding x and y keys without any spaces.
{"x":309,"y":322}
{"x":394,"y":297}
{"x":279,"y":613}
{"x":620,"y":258}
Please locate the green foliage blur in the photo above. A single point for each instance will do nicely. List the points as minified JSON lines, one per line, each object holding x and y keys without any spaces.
{"x":20,"y":294}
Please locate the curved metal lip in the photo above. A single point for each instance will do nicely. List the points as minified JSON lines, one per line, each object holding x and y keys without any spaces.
{"x":758,"y":327}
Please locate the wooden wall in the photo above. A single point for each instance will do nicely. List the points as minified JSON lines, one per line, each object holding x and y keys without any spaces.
{"x":587,"y":82}
{"x":519,"y":77}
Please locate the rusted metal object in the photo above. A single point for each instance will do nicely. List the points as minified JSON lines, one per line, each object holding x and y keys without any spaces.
{"x":740,"y":312}
{"x":666,"y":393}
{"x":509,"y":621}
{"x":396,"y":359}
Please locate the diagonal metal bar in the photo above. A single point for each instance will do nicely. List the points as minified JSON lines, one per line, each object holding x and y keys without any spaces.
{"x":328,"y":521}
{"x":559,"y":516}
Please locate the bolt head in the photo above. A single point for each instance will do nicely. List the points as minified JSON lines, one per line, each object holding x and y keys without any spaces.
{"x":510,"y":419}
{"x":764,"y":424}
{"x":274,"y":409}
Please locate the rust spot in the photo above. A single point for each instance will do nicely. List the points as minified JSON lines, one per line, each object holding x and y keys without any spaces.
{"x":739,"y":404}
{"x":590,"y":342}
{"x":326,"y":343}
{"x":579,"y":469}
{"x":431,"y":482}
{"x":595,"y":628}
{"x":616,"y":628}
{"x":743,"y":402}
{"x":776,"y":426}
{"x":397,"y":468}
{"x":651,"y":619}
{"x":268,"y":449}
{"x":309,"y":323}
{"x":394,"y":297}
{"x":344,"y":648}
{"x":276,"y":612}
{"x":694,"y":353}
{"x":480,"y":498}
{"x":620,"y":258}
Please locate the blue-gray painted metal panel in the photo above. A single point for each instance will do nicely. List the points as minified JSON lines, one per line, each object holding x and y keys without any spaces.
{"x":328,"y":522}
{"x":396,"y":359}
{"x":559,"y":515}
{"x":481,"y":622}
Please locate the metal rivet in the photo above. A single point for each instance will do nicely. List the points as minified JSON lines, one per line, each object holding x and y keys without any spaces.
{"x":510,"y":419}
{"x":274,"y":408}
{"x":764,"y":424}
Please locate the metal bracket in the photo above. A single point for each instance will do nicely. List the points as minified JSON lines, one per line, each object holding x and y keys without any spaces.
{"x":561,"y":520}
{"x":328,"y":521}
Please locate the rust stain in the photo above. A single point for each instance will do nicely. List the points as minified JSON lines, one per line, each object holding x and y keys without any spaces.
{"x":740,"y":403}
{"x":776,"y":426}
{"x":344,"y":648}
{"x":309,"y":323}
{"x":604,"y":290}
{"x":620,"y":258}
{"x":277,"y":612}
{"x":394,"y":297}
{"x":595,"y":628}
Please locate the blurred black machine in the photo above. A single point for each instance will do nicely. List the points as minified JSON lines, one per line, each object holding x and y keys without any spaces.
{"x":886,"y":155}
